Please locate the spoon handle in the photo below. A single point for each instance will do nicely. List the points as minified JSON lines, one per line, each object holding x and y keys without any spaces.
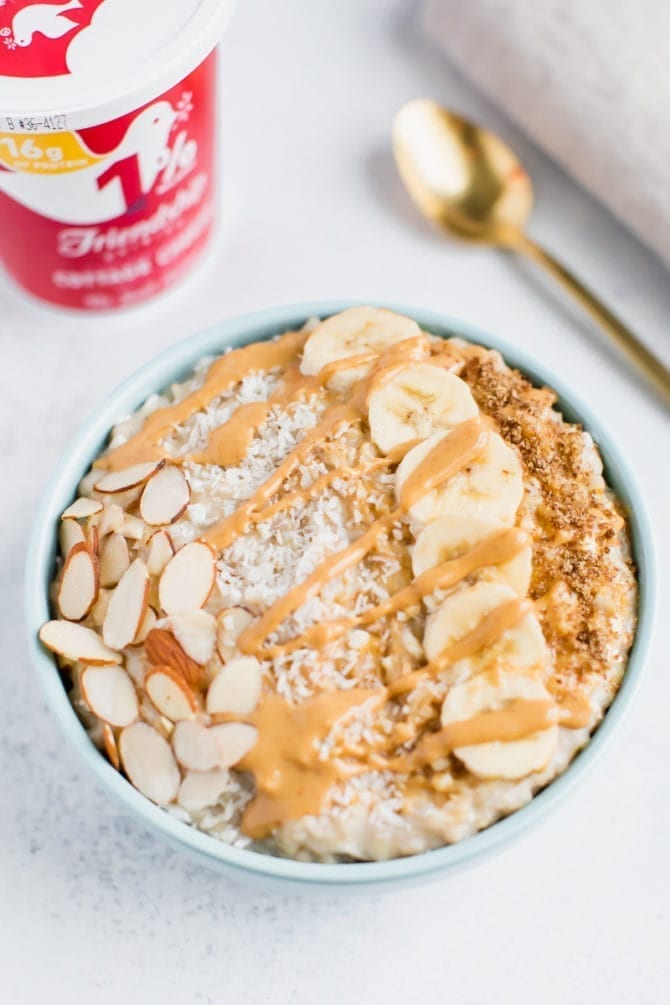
{"x":653,"y":368}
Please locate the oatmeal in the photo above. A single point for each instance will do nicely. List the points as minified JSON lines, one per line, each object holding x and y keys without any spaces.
{"x":352,"y":593}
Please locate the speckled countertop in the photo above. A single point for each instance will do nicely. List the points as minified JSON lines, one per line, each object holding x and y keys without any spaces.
{"x":94,"y":909}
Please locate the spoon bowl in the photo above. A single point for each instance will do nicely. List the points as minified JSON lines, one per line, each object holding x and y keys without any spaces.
{"x":462,"y":177}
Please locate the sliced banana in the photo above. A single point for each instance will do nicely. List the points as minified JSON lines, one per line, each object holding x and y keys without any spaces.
{"x":417,"y":402}
{"x":500,"y":759}
{"x":491,"y":485}
{"x":521,"y":647}
{"x":353,"y":332}
{"x":451,"y":536}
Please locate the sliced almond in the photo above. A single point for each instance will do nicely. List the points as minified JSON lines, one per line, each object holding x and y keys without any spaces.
{"x":69,"y":535}
{"x":195,"y":632}
{"x":133,"y":527}
{"x":135,"y":666}
{"x":78,"y":588}
{"x":170,"y":693}
{"x":201,"y":789}
{"x":82,"y":508}
{"x":111,"y":749}
{"x":76,"y":642}
{"x":114,"y":559}
{"x":236,"y":687}
{"x":148,"y":624}
{"x":160,"y":551}
{"x":99,"y":609}
{"x":127,"y":607}
{"x":162,"y":649}
{"x":229,"y":626}
{"x":187,"y":579}
{"x":195,"y":747}
{"x":110,"y":694}
{"x":93,"y":542}
{"x":235,"y":740}
{"x":129,"y":478}
{"x":111,"y":520}
{"x":165,"y":496}
{"x":149,"y":762}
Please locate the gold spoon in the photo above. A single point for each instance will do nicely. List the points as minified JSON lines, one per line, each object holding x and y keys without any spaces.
{"x":471,"y":184}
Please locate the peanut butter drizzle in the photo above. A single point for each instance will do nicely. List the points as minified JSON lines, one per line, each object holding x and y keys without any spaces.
{"x":519,"y":718}
{"x":498,"y":547}
{"x":223,"y":533}
{"x":492,"y":626}
{"x":454,"y":452}
{"x":575,"y":711}
{"x":331,"y":370}
{"x":291,"y":779}
{"x":323,"y":482}
{"x":229,"y":443}
{"x":222,"y":375}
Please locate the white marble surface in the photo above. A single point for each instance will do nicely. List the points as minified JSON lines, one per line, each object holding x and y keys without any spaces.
{"x":92,"y":908}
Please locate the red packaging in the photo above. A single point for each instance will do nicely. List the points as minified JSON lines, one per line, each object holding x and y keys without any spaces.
{"x":101,"y":210}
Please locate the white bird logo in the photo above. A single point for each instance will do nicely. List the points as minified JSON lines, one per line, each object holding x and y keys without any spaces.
{"x":75,"y":197}
{"x":44,"y":19}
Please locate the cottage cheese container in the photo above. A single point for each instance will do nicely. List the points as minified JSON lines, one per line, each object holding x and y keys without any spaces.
{"x":107,"y":145}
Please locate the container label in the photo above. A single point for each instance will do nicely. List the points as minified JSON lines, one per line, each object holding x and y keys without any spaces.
{"x":109,"y":215}
{"x":35,"y":37}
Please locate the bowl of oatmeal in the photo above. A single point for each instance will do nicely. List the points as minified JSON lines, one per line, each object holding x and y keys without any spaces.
{"x":340,"y":594}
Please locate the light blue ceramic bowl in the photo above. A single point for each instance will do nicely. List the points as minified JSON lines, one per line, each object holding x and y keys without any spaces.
{"x":174,"y":364}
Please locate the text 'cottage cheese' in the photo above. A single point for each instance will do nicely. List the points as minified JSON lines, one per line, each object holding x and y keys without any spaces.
{"x":108,"y":131}
{"x":351,"y":593}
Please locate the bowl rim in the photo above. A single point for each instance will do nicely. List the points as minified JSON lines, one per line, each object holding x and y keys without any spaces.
{"x":174,"y":363}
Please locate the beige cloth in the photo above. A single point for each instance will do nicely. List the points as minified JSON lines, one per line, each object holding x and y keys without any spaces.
{"x":589,"y":80}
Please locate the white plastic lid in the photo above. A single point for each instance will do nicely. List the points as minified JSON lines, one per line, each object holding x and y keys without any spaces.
{"x":69,"y":64}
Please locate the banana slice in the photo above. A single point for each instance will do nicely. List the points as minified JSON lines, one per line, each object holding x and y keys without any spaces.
{"x":354,"y":332}
{"x":521,"y":647}
{"x":491,"y":485}
{"x":417,"y":402}
{"x":500,"y":759}
{"x":452,"y":536}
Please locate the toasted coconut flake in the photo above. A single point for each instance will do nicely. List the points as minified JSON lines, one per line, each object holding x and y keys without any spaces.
{"x":235,"y":740}
{"x":76,"y":642}
{"x":162,"y":649}
{"x":236,"y":687}
{"x":111,"y":749}
{"x":114,"y":559}
{"x":70,"y":534}
{"x":149,"y":762}
{"x":127,"y":607}
{"x":195,"y":747}
{"x":159,"y":552}
{"x":110,"y":694}
{"x":229,"y":626}
{"x":187,"y":579}
{"x":78,"y":589}
{"x":129,"y":478}
{"x":111,"y":520}
{"x":201,"y":789}
{"x":82,"y":508}
{"x":170,"y":694}
{"x":195,"y":632}
{"x":165,"y":496}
